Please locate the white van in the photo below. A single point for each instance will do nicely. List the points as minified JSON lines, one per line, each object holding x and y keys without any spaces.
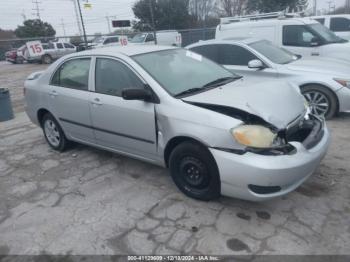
{"x":166,"y":37}
{"x":302,"y":36}
{"x":339,"y":24}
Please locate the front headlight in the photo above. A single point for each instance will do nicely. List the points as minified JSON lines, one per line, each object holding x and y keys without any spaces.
{"x":254,"y":136}
{"x":343,"y":82}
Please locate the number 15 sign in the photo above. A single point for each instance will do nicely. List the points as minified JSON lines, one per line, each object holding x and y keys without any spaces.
{"x":35,"y":48}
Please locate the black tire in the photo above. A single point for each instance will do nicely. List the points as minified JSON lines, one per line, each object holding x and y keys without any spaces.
{"x":328,"y":95}
{"x":19,"y":60}
{"x":194,"y":171}
{"x":46,"y":59}
{"x":62,"y":142}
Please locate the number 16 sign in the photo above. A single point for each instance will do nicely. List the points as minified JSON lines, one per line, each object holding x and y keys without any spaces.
{"x":35,"y":48}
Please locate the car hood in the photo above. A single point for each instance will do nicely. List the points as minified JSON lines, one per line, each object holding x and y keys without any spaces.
{"x":332,"y":66}
{"x":276,"y":102}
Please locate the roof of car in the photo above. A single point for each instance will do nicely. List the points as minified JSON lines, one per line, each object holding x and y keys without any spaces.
{"x":270,"y":22}
{"x":128,"y":50}
{"x":230,"y":40}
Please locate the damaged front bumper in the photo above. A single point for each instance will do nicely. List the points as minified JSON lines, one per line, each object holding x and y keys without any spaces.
{"x":259,"y":177}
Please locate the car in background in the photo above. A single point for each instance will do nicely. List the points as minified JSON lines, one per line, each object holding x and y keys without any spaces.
{"x":165,"y":37}
{"x":339,"y":24}
{"x":217,"y":133}
{"x":52,"y":51}
{"x":15,"y":56}
{"x":325,"y":83}
{"x":104,"y":41}
{"x":301,"y":36}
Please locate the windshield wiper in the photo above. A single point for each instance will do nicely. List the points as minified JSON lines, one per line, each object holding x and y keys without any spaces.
{"x":222,"y":81}
{"x":189,"y":91}
{"x":216,"y":83}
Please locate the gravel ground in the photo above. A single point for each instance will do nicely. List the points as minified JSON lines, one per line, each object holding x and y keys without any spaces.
{"x":87,"y":201}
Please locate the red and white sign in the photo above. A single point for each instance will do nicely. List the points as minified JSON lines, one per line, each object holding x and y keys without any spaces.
{"x":35,"y":48}
{"x":123,"y":40}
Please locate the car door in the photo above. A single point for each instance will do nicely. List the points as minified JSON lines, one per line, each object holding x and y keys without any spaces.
{"x":123,"y":125}
{"x":69,"y":98}
{"x":69,"y":48}
{"x":60,"y":51}
{"x":299,"y":40}
{"x":150,"y":39}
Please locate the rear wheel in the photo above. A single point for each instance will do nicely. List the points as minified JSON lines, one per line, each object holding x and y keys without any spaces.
{"x":53,"y":133}
{"x":322,"y":102}
{"x":194,"y":171}
{"x":46,"y":59}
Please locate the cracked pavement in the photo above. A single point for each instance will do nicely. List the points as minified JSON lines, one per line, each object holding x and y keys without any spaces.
{"x":87,"y":201}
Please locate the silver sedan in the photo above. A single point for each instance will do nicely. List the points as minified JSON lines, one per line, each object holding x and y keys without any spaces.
{"x":325,"y":82}
{"x":218,"y":134}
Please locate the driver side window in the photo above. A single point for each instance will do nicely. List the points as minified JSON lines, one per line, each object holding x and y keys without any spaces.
{"x":297,"y":35}
{"x":113,"y":76}
{"x":150,"y":38}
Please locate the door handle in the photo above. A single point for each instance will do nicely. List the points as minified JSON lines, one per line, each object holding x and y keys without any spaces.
{"x":53,"y":93}
{"x":96,"y":102}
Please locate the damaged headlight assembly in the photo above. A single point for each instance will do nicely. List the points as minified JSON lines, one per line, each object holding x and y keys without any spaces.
{"x":254,"y":136}
{"x":260,"y":140}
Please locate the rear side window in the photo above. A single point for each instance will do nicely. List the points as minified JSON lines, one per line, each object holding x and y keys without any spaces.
{"x":235,"y":55}
{"x":111,"y":40}
{"x":59,"y":45}
{"x":340,"y":24}
{"x":297,"y":35}
{"x":321,"y":20}
{"x":209,"y":51}
{"x":113,"y":76}
{"x":73,"y":74}
{"x":66,"y":45}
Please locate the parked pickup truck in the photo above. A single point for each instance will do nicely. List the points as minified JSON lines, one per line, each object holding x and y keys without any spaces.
{"x":52,"y":51}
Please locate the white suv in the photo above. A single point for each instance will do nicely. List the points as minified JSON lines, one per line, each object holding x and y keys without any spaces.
{"x":339,"y":24}
{"x":301,"y":36}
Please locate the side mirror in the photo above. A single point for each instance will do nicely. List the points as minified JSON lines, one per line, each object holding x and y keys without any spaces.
{"x":315,"y":41}
{"x":256,"y":64}
{"x":137,"y":94}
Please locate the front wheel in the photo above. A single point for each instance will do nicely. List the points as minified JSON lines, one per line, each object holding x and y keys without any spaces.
{"x":194,"y":171}
{"x":54,"y":134}
{"x":46,"y":59}
{"x":322,"y":102}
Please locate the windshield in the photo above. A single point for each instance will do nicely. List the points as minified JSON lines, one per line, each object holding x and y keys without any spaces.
{"x":178,"y":70}
{"x":325,"y":34}
{"x":139,"y":38}
{"x":275,"y":54}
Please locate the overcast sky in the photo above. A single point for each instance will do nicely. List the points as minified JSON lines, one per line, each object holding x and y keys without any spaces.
{"x":12,"y":13}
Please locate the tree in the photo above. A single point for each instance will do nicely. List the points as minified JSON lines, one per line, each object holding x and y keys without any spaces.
{"x":35,"y":28}
{"x":168,"y":14}
{"x":234,"y":7}
{"x":266,"y":6}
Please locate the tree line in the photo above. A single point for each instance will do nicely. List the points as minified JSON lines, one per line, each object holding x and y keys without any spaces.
{"x":180,"y":14}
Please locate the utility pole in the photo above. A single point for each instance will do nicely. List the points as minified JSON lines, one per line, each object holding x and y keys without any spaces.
{"x":152,"y":20}
{"x":315,"y":7}
{"x":36,"y":8}
{"x":77,"y":17}
{"x":108,"y":23}
{"x":82,"y":23}
{"x":23,"y":14}
{"x":63,"y":27}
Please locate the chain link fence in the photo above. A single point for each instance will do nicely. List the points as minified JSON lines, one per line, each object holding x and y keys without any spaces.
{"x":188,"y":36}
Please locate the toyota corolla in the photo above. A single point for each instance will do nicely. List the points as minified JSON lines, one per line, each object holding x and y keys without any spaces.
{"x":217,"y":134}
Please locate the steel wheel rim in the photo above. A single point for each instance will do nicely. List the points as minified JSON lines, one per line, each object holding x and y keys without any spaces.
{"x":318,"y":102}
{"x":52,"y":134}
{"x":194,"y":173}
